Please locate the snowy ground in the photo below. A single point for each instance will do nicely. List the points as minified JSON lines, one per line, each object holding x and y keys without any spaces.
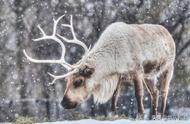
{"x":178,"y":116}
{"x":123,"y":121}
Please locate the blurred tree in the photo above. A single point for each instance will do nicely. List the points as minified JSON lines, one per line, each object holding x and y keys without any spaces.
{"x":23,"y":85}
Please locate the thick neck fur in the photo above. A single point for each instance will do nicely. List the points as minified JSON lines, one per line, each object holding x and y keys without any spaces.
{"x":104,"y":89}
{"x":103,"y":82}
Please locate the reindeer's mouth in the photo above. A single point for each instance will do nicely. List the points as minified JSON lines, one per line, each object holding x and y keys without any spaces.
{"x":67,"y":104}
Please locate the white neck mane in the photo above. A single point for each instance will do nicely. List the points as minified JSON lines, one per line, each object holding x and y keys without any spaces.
{"x":105,"y":88}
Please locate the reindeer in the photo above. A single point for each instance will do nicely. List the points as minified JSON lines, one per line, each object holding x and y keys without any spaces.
{"x":140,"y":53}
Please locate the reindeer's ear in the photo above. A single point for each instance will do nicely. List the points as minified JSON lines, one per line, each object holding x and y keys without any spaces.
{"x":86,"y":71}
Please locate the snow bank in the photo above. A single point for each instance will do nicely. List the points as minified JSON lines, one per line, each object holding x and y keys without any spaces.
{"x":122,"y":121}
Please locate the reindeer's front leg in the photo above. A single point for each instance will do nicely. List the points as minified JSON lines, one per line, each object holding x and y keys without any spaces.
{"x":115,"y":97}
{"x":139,"y":93}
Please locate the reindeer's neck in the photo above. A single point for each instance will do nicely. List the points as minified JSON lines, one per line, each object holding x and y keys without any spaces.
{"x":104,"y":89}
{"x":102,"y":58}
{"x":104,"y":80}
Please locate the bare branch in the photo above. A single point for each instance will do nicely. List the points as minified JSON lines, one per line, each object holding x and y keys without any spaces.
{"x":185,"y":46}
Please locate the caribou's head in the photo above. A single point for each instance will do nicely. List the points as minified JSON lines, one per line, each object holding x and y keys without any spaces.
{"x":76,"y":88}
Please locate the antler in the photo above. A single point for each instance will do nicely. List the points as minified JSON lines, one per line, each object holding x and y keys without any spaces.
{"x":55,"y":37}
{"x":74,"y":40}
{"x":56,"y":77}
{"x":51,"y":37}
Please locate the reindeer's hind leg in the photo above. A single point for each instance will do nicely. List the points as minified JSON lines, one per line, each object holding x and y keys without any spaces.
{"x":165,"y":78}
{"x":154,"y":95}
{"x":139,"y":93}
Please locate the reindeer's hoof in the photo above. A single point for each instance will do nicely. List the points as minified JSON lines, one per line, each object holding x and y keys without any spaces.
{"x":156,"y":117}
{"x":112,"y":115}
{"x":140,"y":116}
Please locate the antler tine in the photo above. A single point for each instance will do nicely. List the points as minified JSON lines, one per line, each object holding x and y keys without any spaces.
{"x":55,"y":38}
{"x":55,"y":77}
{"x":74,"y":40}
{"x":72,"y":29}
{"x":55,"y":24}
{"x":42,"y":31}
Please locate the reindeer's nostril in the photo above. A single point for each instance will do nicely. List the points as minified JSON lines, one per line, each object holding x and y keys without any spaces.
{"x":67,"y":104}
{"x":63,"y":103}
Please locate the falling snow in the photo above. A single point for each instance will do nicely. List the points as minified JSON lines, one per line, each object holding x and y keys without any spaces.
{"x":24,"y":89}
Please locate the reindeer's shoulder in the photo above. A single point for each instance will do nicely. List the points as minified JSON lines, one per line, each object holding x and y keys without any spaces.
{"x":121,"y":26}
{"x":117,"y":28}
{"x":117,"y":25}
{"x":151,"y":27}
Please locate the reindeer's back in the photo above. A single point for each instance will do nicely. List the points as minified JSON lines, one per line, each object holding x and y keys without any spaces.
{"x":129,"y":45}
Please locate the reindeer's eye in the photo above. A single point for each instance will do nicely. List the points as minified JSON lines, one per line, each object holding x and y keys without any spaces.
{"x":78,"y":83}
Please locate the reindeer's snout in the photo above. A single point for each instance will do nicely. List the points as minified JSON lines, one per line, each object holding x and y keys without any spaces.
{"x":67,"y":103}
